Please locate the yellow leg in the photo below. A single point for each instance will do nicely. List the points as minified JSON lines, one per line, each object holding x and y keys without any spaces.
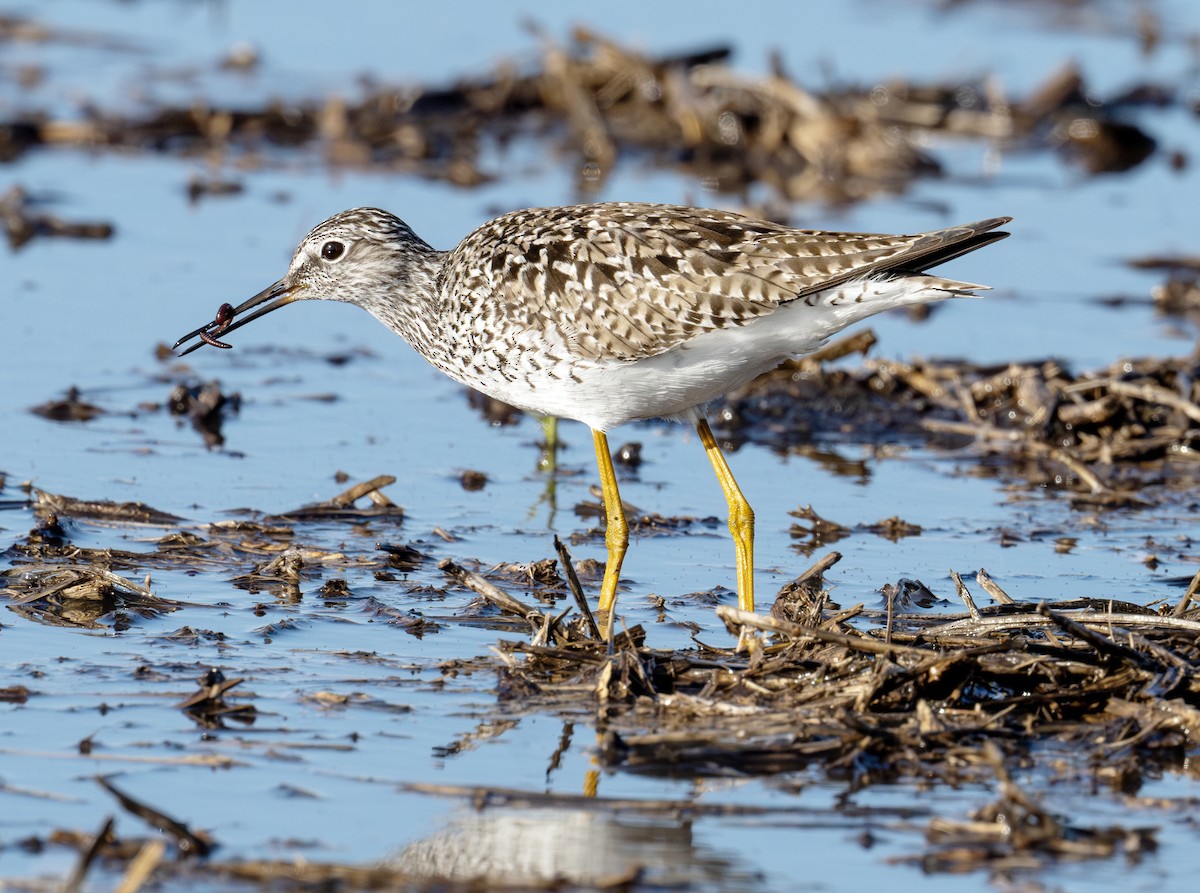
{"x":741,"y":517}
{"x":616,"y":534}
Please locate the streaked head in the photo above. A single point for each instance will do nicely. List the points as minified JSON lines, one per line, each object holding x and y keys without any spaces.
{"x":360,"y":256}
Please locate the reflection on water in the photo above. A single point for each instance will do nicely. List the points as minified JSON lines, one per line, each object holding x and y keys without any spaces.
{"x":585,"y":847}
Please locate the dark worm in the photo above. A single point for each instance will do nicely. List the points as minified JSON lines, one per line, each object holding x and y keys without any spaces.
{"x":209,"y":339}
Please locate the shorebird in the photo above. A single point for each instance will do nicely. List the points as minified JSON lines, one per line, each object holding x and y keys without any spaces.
{"x":613,"y":312}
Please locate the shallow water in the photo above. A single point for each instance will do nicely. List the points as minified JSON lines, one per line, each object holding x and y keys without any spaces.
{"x":324,"y":777}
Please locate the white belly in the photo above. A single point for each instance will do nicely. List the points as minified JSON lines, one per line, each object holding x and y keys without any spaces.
{"x":673,"y":384}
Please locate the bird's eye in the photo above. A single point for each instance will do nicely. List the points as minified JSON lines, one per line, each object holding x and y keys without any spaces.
{"x":332,"y":250}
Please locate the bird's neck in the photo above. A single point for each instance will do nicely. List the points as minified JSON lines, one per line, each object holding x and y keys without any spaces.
{"x":409,"y":305}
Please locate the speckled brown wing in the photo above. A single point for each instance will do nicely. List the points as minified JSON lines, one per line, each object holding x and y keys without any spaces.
{"x":626,"y":281}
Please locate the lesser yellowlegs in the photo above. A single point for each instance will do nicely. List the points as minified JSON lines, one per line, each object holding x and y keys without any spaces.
{"x":608,"y":313}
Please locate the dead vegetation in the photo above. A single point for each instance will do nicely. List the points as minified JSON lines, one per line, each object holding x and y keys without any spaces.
{"x":1085,"y":689}
{"x":23,"y":220}
{"x":1128,"y":434}
{"x":602,"y":103}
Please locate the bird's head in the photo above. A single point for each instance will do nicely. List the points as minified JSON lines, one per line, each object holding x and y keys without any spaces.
{"x":361,"y":256}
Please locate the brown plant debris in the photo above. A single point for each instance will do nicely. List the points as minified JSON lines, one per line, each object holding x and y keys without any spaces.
{"x":72,"y":408}
{"x":78,"y":595}
{"x":208,"y":707}
{"x":403,"y":557}
{"x":1085,"y":688}
{"x":101,"y":510}
{"x":205,"y":406}
{"x":22,"y":222}
{"x":89,"y":850}
{"x":1179,"y":294}
{"x":604,"y":101}
{"x":53,"y":581}
{"x":1104,"y":437}
{"x":342,"y":505}
{"x":187,"y":841}
{"x":544,"y":625}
